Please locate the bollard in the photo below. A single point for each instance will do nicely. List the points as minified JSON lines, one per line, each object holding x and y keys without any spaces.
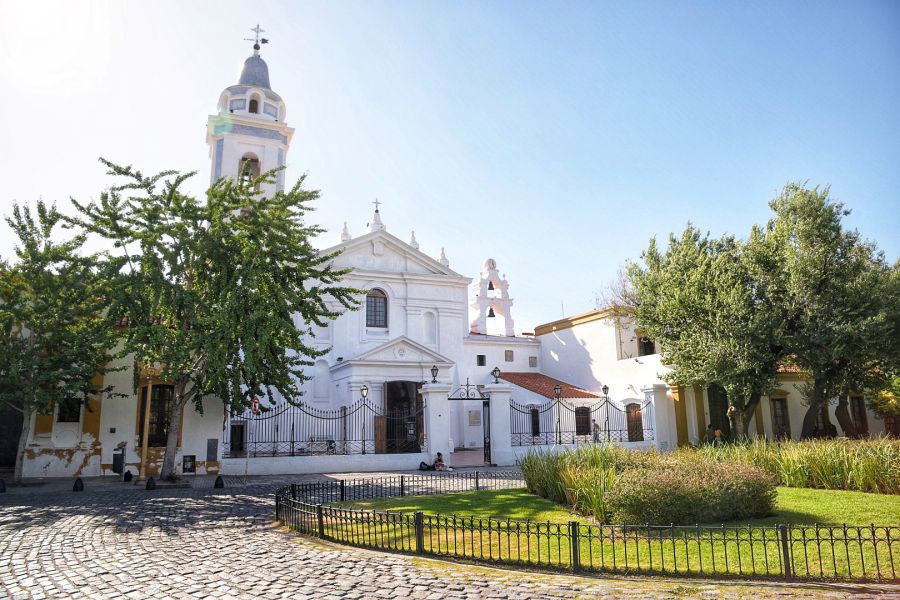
{"x":127,"y":477}
{"x":220,"y":483}
{"x":2,"y":486}
{"x":79,"y":485}
{"x":151,"y":483}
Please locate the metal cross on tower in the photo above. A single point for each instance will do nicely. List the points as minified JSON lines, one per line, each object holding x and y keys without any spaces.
{"x":256,"y":39}
{"x":377,"y":203}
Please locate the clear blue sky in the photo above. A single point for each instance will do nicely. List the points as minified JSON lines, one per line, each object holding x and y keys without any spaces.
{"x":554,"y":137}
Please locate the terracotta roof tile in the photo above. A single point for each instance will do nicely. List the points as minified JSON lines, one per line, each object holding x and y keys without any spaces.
{"x":543,"y":385}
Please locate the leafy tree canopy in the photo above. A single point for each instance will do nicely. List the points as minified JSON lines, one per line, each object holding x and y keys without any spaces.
{"x":219,"y":293}
{"x":55,"y":333}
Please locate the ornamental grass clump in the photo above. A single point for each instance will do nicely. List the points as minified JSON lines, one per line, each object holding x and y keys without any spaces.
{"x":838,"y":464}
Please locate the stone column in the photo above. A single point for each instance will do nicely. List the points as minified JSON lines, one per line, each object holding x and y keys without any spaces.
{"x":664,"y":430}
{"x":437,"y":420}
{"x":501,"y":436}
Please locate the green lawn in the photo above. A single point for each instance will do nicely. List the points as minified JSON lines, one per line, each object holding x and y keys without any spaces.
{"x":514,"y":526}
{"x":795,"y":506}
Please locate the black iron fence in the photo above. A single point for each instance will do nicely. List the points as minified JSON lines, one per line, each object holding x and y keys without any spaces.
{"x":778,"y":551}
{"x":304,"y":430}
{"x":563,"y":422}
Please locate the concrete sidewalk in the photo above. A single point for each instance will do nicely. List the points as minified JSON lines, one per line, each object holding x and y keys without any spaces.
{"x":62,"y":485}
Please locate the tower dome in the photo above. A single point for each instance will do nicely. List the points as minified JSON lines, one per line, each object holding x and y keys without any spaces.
{"x":248,"y":136}
{"x":255,"y":72}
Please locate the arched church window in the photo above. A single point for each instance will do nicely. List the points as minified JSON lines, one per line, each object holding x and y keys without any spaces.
{"x":376,"y":309}
{"x":249,"y":169}
{"x":254,"y":105}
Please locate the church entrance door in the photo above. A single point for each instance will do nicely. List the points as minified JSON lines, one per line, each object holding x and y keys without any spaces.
{"x":401,"y":427}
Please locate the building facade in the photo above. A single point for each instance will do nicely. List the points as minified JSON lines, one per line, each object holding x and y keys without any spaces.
{"x":414,"y":372}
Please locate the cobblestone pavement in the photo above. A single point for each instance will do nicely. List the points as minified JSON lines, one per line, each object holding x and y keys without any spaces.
{"x":201,"y":543}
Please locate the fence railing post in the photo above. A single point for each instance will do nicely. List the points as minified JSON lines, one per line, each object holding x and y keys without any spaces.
{"x":419,"y":522}
{"x":293,"y":491}
{"x":343,"y":492}
{"x":785,"y":551}
{"x":402,"y":485}
{"x":575,"y":546}
{"x":321,"y":517}
{"x":476,"y":481}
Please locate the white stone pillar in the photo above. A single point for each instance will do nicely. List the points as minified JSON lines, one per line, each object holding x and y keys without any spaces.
{"x":501,"y":436}
{"x":437,"y":420}
{"x":664,"y":432}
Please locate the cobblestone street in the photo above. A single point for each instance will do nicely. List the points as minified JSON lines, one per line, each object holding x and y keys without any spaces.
{"x":196,"y":543}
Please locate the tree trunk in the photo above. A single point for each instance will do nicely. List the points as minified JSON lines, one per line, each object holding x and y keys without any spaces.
{"x":842,"y":414}
{"x":23,"y":441}
{"x":812,"y":413}
{"x":740,"y":418}
{"x":168,"y":465}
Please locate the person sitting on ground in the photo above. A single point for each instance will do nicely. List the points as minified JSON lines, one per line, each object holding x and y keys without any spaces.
{"x":439,"y":463}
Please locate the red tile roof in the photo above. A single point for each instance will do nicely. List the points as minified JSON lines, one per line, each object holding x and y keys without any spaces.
{"x":543,"y":385}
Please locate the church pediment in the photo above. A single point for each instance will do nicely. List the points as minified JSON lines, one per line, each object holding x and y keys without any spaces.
{"x":401,"y":351}
{"x":381,"y":251}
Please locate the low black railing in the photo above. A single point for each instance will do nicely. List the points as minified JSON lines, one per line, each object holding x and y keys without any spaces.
{"x":777,"y":551}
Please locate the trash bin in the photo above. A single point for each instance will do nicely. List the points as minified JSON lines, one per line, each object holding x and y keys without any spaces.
{"x":118,"y":460}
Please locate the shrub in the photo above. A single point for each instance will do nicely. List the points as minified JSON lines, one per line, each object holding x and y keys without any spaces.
{"x":687,"y":492}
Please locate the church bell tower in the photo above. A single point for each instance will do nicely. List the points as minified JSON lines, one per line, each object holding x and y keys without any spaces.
{"x":248,"y":136}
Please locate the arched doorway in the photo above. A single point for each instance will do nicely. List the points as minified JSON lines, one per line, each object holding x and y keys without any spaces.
{"x":401,"y":429}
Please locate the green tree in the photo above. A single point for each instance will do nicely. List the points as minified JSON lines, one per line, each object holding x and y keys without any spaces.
{"x":219,"y":294}
{"x":840,"y":299}
{"x":53,"y":327}
{"x":700,"y":301}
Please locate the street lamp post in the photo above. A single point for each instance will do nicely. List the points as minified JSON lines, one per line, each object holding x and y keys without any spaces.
{"x":606,"y":404}
{"x":434,"y":374}
{"x":557,"y":391}
{"x":495,"y":373}
{"x":364,"y":392}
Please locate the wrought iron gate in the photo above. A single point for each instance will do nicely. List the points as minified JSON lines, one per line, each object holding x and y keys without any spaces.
{"x":559,"y":422}
{"x":304,"y":430}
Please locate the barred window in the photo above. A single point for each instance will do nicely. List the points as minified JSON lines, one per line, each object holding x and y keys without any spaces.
{"x":582,"y":420}
{"x":532,"y":361}
{"x":69,"y":411}
{"x":508,"y":356}
{"x":376,"y":309}
{"x":635,"y":422}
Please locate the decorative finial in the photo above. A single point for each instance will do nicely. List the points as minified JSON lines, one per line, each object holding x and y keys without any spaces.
{"x":443,"y":259}
{"x":377,"y":225}
{"x":256,"y":39}
{"x":412,"y":240}
{"x":345,"y":233}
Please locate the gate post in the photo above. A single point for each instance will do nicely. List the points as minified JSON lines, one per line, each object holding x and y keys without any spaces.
{"x":437,"y":420}
{"x":575,"y":548}
{"x":785,"y":551}
{"x":419,"y":522}
{"x":321,"y":519}
{"x":343,"y":491}
{"x":501,"y":436}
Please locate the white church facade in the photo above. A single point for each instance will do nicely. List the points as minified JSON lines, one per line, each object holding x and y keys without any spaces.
{"x":412,"y":373}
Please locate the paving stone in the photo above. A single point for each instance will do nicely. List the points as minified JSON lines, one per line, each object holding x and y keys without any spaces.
{"x":206,"y":543}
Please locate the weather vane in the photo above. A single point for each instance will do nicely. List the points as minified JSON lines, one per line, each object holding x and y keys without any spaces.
{"x":257,"y":40}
